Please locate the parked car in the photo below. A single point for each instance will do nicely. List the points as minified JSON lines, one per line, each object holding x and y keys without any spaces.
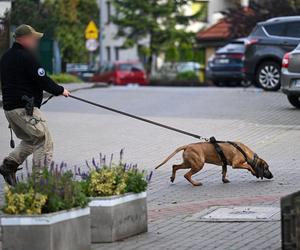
{"x":170,"y":70}
{"x":121,"y":73}
{"x":83,"y":71}
{"x":265,"y":48}
{"x":290,"y":76}
{"x":226,"y":66}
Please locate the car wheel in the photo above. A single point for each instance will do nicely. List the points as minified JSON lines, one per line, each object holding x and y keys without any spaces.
{"x":294,"y":100}
{"x":246,"y":83}
{"x":268,"y":76}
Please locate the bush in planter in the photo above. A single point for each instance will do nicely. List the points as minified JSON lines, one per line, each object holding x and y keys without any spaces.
{"x":115,"y":180}
{"x":108,"y":179}
{"x":117,"y":194}
{"x":52,"y":191}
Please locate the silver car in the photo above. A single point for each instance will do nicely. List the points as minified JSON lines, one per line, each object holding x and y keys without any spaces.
{"x":290,"y":76}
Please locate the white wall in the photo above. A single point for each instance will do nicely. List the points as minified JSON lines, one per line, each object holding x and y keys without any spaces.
{"x":216,"y":6}
{"x":4,"y":6}
{"x":112,"y":43}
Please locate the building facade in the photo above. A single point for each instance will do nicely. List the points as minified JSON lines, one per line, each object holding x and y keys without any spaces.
{"x":113,"y":46}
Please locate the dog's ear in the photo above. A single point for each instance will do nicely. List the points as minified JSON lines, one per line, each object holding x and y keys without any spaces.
{"x":260,"y":169}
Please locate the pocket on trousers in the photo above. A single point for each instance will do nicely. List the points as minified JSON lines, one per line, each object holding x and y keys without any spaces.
{"x":34,"y":126}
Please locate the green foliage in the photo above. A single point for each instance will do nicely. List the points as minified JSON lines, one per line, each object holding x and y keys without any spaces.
{"x":23,"y":202}
{"x":135,"y":181}
{"x":72,"y":18}
{"x":65,"y":78}
{"x":115,"y":180}
{"x":48,"y":192}
{"x":187,"y":76}
{"x":64,"y":20}
{"x":106,"y":182}
{"x":163,"y":22}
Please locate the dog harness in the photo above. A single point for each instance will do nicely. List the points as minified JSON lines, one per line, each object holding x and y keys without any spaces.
{"x":253,"y":163}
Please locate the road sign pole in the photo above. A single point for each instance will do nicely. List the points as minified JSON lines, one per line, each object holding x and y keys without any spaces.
{"x":101,"y":11}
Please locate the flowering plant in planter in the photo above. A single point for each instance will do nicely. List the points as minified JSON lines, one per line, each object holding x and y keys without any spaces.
{"x":40,"y":211}
{"x":51,"y":191}
{"x":117,"y":193}
{"x":113,"y":179}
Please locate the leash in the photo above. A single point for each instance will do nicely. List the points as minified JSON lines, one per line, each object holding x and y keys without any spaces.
{"x":136,"y":117}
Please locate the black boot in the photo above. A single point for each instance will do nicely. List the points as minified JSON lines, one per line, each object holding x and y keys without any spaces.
{"x":8,"y":170}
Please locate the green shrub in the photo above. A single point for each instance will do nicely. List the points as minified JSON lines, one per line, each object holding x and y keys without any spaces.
{"x":65,"y":78}
{"x":53,"y":190}
{"x":115,"y":180}
{"x":188,"y":76}
{"x":135,"y":182}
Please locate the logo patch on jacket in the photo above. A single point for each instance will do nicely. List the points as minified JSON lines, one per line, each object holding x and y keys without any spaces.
{"x":41,"y":72}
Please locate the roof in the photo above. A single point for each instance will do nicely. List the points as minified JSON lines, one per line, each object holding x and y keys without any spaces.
{"x":218,"y":31}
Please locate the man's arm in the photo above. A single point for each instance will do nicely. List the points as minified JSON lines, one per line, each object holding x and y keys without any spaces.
{"x":39,"y":76}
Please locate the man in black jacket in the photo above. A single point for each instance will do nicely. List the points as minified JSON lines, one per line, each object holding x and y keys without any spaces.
{"x":23,"y":82}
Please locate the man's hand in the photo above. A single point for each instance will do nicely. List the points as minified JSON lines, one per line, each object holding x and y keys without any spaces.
{"x":66,"y":93}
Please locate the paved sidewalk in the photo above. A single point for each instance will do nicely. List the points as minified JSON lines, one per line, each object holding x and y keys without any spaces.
{"x":264,"y":121}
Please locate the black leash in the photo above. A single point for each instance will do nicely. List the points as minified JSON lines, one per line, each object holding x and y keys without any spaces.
{"x":136,"y":117}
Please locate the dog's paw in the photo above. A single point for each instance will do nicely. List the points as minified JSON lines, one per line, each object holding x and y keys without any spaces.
{"x":197,"y":184}
{"x":225,"y":180}
{"x":172,"y":179}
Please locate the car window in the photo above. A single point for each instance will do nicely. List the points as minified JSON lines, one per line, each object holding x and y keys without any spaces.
{"x":232,"y":48}
{"x":276,"y":29}
{"x":125,"y":67}
{"x":293,"y":29}
{"x":257,"y":31}
{"x":137,"y":67}
{"x":131,"y":67}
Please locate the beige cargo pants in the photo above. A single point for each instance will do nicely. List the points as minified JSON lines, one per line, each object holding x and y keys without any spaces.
{"x":34,"y":135}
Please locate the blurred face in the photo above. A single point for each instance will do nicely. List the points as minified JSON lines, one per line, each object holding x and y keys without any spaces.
{"x":30,"y":42}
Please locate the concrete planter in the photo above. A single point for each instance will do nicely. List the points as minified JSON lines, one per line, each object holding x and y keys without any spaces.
{"x":64,"y":230}
{"x":117,"y":217}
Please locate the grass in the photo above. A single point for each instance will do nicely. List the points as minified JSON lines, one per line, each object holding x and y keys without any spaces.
{"x":65,"y":78}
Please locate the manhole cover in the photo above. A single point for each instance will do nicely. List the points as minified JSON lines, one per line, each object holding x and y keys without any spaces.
{"x":238,"y":214}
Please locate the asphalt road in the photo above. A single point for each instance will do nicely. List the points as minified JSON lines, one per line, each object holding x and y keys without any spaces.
{"x":264,"y":121}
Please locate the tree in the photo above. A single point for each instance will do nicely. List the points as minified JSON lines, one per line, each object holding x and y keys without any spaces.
{"x":63,"y":20}
{"x":162,"y":22}
{"x":243,"y":20}
{"x":39,"y":15}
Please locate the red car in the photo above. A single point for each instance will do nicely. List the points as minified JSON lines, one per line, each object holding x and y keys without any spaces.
{"x":121,"y":73}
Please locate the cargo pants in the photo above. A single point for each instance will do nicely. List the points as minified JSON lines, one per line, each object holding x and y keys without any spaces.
{"x":34,"y":135}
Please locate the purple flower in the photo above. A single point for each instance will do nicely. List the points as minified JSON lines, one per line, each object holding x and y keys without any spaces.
{"x":149,"y":177}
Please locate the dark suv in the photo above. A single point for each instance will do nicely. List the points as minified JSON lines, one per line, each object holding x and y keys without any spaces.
{"x":265,"y":48}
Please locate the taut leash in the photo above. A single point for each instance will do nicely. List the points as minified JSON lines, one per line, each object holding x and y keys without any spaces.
{"x":139,"y":118}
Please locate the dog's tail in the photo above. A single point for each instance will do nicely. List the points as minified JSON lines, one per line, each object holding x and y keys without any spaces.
{"x":171,"y":155}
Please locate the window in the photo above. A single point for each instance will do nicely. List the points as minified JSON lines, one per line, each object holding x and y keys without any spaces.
{"x":257,"y":31}
{"x":117,"y":56}
{"x":293,"y":29}
{"x":275,"y":29}
{"x":108,"y":11}
{"x":108,"y":56}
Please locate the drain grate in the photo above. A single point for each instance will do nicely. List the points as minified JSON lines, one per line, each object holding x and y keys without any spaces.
{"x":237,"y":214}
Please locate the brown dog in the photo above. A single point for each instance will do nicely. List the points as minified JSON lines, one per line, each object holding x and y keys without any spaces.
{"x":238,"y":155}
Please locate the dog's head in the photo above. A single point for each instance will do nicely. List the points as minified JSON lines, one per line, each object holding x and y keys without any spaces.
{"x":262,"y":170}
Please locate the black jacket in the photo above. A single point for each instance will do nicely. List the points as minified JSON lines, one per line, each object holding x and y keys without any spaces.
{"x":21,"y":74}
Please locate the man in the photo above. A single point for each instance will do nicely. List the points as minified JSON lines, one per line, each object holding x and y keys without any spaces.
{"x":23,"y":82}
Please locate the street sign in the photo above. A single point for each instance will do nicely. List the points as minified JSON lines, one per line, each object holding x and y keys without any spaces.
{"x":91,"y":44}
{"x":91,"y":31}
